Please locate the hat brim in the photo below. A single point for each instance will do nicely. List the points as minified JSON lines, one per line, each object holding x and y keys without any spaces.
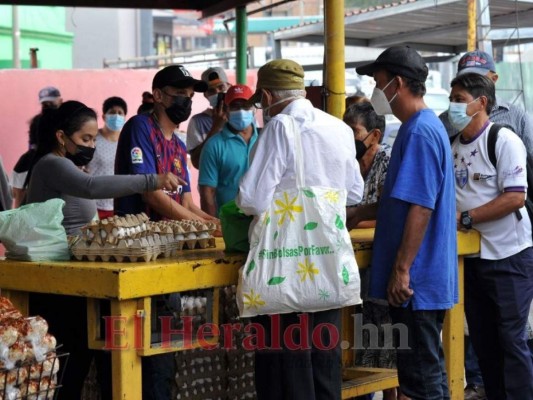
{"x":474,"y":70}
{"x":49,"y":98}
{"x":197,"y":85}
{"x":368,"y":69}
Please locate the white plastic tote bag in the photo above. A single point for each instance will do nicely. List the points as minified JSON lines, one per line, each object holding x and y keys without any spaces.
{"x":34,"y":232}
{"x":301,"y":257}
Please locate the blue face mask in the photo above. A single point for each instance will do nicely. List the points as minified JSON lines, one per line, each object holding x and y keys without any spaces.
{"x":114,"y":122}
{"x":458,"y":116}
{"x":213,"y":99}
{"x":241,"y":119}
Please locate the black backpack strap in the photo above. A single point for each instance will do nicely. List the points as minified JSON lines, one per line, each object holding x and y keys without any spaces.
{"x":452,"y":138}
{"x":491,"y":143}
{"x":491,"y":148}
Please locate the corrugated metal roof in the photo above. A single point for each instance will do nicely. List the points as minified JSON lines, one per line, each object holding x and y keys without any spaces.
{"x":267,"y":24}
{"x":208,"y":7}
{"x":431,"y":25}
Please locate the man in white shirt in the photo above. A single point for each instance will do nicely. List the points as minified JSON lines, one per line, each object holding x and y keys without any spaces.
{"x":329,"y":152}
{"x":490,"y":198}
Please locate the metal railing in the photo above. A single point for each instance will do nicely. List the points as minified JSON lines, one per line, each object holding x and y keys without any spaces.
{"x":208,"y":56}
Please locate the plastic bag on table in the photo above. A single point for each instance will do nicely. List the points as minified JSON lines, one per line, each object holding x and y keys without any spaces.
{"x":34,"y":232}
{"x":235,"y":227}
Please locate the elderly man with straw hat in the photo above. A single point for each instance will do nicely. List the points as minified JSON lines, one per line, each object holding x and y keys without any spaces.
{"x":314,"y":371}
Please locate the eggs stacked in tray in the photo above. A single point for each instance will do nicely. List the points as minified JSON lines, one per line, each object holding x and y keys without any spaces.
{"x":28,"y":361}
{"x":136,"y":238}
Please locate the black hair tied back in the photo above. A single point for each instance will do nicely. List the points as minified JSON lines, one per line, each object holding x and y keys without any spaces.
{"x":69,"y":118}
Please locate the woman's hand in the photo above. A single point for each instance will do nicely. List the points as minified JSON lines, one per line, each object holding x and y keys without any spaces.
{"x":169,"y":181}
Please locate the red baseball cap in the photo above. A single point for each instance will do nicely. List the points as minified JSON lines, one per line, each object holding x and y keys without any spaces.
{"x":238,"y":92}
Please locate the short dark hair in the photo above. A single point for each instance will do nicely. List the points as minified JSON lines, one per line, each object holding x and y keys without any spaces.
{"x":477,"y":85}
{"x":364,"y":114}
{"x":416,"y":87}
{"x":115,"y":101}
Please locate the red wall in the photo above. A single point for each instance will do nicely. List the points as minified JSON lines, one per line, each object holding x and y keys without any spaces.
{"x":19,"y":101}
{"x":19,"y":97}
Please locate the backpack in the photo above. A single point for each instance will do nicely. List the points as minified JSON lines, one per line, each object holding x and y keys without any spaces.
{"x":491,"y":149}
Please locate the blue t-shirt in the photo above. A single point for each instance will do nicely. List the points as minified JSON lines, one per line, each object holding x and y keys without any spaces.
{"x":142,"y":149}
{"x":420,"y":172}
{"x":223,"y":162}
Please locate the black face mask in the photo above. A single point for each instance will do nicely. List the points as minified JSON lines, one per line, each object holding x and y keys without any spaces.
{"x":360,"y":146}
{"x":360,"y":149}
{"x":83,"y":155}
{"x":180,"y":110}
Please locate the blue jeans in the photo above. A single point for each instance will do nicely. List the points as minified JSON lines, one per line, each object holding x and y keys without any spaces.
{"x":421,"y":368}
{"x":498,"y":294}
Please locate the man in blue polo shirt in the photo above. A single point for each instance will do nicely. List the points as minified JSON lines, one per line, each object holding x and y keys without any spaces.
{"x":224,"y":158}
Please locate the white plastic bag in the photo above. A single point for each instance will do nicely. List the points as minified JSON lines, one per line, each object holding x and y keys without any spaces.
{"x":301,"y":256}
{"x":34,"y":232}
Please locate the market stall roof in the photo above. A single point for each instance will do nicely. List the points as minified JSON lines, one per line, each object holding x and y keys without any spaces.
{"x":427,"y":25}
{"x":207,"y":7}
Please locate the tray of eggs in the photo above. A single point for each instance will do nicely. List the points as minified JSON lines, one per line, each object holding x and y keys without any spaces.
{"x":136,"y":238}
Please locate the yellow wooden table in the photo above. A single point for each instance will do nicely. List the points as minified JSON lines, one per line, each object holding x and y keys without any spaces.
{"x":129,"y":287}
{"x":369,"y":380}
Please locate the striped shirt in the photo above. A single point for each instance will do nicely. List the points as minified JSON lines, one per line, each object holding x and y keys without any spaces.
{"x":507,"y":114}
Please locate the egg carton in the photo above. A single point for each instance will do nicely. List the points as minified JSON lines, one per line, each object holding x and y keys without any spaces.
{"x":194,"y":234}
{"x":146,"y":249}
{"x":111,"y":230}
{"x":143,"y":249}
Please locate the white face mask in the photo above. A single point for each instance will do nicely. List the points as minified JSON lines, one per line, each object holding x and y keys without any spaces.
{"x":266,"y":115}
{"x":213,"y":99}
{"x":458,"y":116}
{"x":379,"y":101}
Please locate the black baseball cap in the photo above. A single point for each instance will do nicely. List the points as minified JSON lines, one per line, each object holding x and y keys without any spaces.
{"x":177,"y":76}
{"x":398,"y":60}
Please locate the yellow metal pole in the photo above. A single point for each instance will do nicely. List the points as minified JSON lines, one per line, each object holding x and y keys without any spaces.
{"x":126,"y":363}
{"x":453,"y":341}
{"x":334,"y":49}
{"x":472,"y":29}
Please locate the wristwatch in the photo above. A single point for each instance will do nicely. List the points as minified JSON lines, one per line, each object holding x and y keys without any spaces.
{"x":466,"y":220}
